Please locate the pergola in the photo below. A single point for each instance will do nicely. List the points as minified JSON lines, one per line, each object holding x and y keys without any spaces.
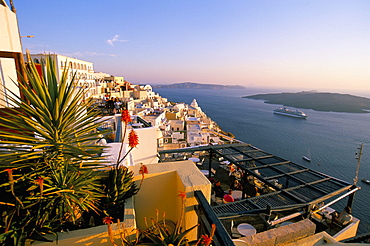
{"x":292,"y":185}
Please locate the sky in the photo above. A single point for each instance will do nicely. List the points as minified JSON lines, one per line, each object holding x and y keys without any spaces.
{"x":306,"y":45}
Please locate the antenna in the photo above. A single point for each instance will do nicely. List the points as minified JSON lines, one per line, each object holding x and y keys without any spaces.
{"x":358,"y":157}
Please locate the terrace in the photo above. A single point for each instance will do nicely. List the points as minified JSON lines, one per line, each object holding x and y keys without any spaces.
{"x":287,"y":209}
{"x":287,"y":192}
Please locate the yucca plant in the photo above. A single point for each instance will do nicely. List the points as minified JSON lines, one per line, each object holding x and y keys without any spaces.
{"x":47,"y":153}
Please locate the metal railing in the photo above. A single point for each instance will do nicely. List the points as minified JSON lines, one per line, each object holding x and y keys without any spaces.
{"x":144,"y":122}
{"x":206,"y":218}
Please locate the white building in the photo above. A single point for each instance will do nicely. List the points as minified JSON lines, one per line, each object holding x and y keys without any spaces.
{"x":10,"y":52}
{"x":194,"y":104}
{"x":177,"y":137}
{"x":99,"y":81}
{"x":158,"y":120}
{"x":112,"y":86}
{"x":145,"y":152}
{"x":177,"y":125}
{"x":149,"y":90}
{"x":179,"y":107}
{"x":194,"y":110}
{"x":100,"y":75}
{"x":84,"y":70}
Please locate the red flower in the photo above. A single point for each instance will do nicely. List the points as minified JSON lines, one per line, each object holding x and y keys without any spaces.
{"x":133,"y":139}
{"x":108,"y":220}
{"x":125,"y":116}
{"x":40,"y":181}
{"x":143,"y":170}
{"x":206,"y":240}
{"x":182,"y":195}
{"x":10,"y":173}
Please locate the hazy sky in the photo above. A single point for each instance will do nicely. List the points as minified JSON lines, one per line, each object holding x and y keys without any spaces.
{"x":321,"y":44}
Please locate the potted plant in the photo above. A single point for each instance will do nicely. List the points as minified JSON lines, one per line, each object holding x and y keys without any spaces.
{"x":119,"y":185}
{"x":161,"y":232}
{"x":111,"y":137}
{"x":46,"y":168}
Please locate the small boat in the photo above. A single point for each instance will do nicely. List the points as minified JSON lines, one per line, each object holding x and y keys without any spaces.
{"x":366,"y":181}
{"x":292,"y":113}
{"x":307,"y":157}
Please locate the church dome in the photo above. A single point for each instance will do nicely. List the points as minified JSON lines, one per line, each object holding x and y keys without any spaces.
{"x":194,"y":104}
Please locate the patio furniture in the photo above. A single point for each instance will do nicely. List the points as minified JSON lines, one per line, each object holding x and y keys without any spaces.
{"x":194,"y":159}
{"x":246,"y":229}
{"x":205,"y":172}
{"x":237,"y":194}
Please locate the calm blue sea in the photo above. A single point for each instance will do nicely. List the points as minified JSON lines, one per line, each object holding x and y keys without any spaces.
{"x":331,"y":138}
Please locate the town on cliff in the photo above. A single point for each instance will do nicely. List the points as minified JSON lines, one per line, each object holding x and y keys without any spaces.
{"x":178,"y":125}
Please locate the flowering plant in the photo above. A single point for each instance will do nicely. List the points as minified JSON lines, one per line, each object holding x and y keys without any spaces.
{"x":120,"y":186}
{"x":162,"y":232}
{"x":111,"y":136}
{"x":47,"y":177}
{"x":46,"y":174}
{"x":133,"y":139}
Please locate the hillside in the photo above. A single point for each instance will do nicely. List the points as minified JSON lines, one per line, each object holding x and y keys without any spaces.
{"x":190,"y":85}
{"x":320,"y":101}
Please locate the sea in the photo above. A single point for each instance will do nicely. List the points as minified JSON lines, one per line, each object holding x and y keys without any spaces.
{"x":332,"y":138}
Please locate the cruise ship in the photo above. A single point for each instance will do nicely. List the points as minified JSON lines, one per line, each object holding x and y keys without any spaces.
{"x":293,"y":113}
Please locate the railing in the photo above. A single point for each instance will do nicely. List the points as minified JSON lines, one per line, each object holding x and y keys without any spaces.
{"x":206,"y":218}
{"x":362,"y":238}
{"x":145,"y":123}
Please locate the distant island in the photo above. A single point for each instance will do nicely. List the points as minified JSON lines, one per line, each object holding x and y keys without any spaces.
{"x":190,"y":85}
{"x":319,"y":101}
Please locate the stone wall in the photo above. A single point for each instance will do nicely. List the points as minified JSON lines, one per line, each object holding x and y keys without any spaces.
{"x":282,"y":235}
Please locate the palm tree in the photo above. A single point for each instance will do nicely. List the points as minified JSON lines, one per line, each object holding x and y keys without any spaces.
{"x":47,"y":155}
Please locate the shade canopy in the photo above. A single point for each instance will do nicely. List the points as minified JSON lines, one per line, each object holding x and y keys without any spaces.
{"x":292,"y":185}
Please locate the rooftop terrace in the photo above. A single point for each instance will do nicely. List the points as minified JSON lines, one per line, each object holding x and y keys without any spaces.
{"x":287,"y":192}
{"x":285,"y":184}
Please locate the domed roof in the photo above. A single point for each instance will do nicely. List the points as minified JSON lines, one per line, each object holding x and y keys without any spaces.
{"x":194,"y":104}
